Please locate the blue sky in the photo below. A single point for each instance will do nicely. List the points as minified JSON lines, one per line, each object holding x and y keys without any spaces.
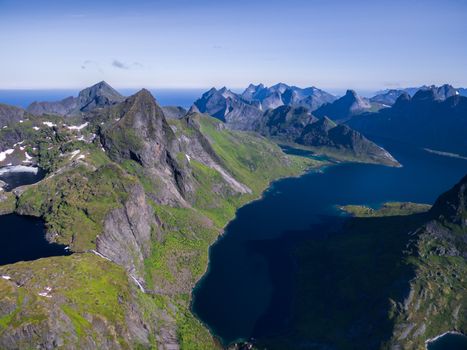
{"x":188,"y":44}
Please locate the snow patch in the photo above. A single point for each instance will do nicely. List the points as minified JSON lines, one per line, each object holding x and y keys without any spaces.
{"x":138,"y":283}
{"x":78,"y":127}
{"x":100,"y":255}
{"x":36,"y":128}
{"x":188,"y":157}
{"x":19,"y":169}
{"x":49,"y":124}
{"x":5,"y":153}
{"x":74,"y":153}
{"x":6,"y":277}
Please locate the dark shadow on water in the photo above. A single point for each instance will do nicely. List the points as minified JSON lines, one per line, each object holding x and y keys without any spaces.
{"x":344,"y":281}
{"x":22,"y":238}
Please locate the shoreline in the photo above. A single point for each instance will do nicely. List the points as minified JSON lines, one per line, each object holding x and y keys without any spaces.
{"x":431,"y":340}
{"x":319,"y":169}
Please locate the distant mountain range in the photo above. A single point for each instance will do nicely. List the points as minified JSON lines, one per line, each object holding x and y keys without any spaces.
{"x":97,"y":96}
{"x":284,"y":95}
{"x":427,"y":120}
{"x":239,"y":111}
{"x":284,"y":113}
{"x":389,"y":97}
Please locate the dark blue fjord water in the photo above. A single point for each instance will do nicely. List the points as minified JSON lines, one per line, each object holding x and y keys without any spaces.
{"x":23,"y":239}
{"x":450,"y":341}
{"x":247,"y":290}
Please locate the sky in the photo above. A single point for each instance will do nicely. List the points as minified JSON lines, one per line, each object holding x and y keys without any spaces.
{"x":366,"y":45}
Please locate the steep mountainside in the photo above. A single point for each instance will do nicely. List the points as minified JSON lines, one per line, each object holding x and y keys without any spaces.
{"x":96,"y":96}
{"x":326,"y":134}
{"x":437,"y":302}
{"x":423,"y":120}
{"x":344,"y":108}
{"x":284,"y":122}
{"x":394,"y":277}
{"x":138,"y":199}
{"x":298,"y":125}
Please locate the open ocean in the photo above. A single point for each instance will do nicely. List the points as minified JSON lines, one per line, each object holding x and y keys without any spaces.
{"x":165,"y":97}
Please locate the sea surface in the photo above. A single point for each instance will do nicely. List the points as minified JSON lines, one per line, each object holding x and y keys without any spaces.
{"x":165,"y":97}
{"x":247,"y":290}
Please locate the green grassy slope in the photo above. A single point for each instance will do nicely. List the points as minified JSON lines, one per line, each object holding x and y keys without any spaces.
{"x":90,"y":292}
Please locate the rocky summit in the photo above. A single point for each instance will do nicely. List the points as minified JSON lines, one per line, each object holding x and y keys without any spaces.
{"x":345,"y":107}
{"x":96,"y":96}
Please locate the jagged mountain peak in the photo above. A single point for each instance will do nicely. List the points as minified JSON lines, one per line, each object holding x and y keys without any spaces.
{"x":98,"y":95}
{"x":351,"y":94}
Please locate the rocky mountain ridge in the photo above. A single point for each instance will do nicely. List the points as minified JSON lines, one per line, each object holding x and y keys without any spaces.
{"x":96,"y":96}
{"x":423,"y":120}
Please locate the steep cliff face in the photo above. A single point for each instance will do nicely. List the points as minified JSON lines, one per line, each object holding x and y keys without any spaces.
{"x":437,"y":302}
{"x":127,"y":234}
{"x":137,"y":130}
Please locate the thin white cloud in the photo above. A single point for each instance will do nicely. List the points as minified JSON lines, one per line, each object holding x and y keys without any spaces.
{"x":91,"y":64}
{"x":122,"y":65}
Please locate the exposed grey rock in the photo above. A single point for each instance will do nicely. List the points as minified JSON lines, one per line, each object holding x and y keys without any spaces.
{"x":229,"y":107}
{"x":97,"y":96}
{"x":127,"y":233}
{"x":282,"y":94}
{"x":174,"y":112}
